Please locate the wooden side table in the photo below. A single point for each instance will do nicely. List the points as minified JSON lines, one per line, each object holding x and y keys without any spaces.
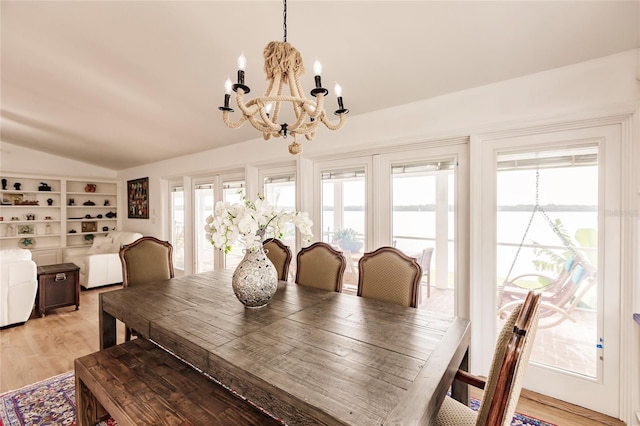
{"x":58,"y":286}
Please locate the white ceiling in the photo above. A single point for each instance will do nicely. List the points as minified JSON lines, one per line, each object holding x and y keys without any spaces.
{"x":124,"y":83}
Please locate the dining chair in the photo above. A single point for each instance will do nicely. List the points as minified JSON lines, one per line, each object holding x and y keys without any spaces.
{"x":320,"y":266}
{"x":280,"y":255}
{"x":389,"y":275}
{"x":425,"y":264}
{"x":146,"y":260}
{"x":504,"y":383}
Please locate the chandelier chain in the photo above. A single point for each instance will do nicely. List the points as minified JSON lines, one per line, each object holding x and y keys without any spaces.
{"x":284,"y":16}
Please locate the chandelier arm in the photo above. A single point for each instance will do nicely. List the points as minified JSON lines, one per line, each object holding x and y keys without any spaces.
{"x":301,"y":116}
{"x":231,"y":124}
{"x":261,"y":126}
{"x":317,"y":109}
{"x":334,"y":126}
{"x":307,"y":128}
{"x":246,"y":109}
{"x":294,"y":85}
{"x":278,"y":105}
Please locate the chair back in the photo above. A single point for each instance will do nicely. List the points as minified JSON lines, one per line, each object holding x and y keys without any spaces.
{"x":389,"y":275}
{"x":320,"y":266}
{"x":146,"y":260}
{"x":280,"y":255}
{"x":509,"y":364}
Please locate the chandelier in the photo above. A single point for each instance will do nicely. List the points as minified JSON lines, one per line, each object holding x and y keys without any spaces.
{"x":283,"y":66}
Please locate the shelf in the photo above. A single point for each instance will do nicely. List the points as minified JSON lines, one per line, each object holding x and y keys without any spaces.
{"x":9,"y":222}
{"x":70,"y":234}
{"x":84,"y":219}
{"x":92,"y":207}
{"x":19,"y":237}
{"x":106,"y":194}
{"x":27,"y":206}
{"x":13,"y":191}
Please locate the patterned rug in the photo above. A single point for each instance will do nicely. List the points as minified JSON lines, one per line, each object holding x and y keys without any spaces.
{"x":53,"y":402}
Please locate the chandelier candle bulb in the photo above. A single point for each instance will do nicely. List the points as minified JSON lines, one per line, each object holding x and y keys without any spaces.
{"x":242,"y":64}
{"x":341,"y":109}
{"x":227,"y":96}
{"x":317,"y":71}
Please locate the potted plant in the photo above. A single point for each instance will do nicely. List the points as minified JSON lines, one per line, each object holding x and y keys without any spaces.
{"x":348,"y":239}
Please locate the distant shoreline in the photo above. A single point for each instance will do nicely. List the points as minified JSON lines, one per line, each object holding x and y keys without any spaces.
{"x":516,"y":208}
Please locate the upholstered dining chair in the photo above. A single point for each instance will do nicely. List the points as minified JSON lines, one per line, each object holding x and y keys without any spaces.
{"x":320,"y":266}
{"x":504,"y":383}
{"x":389,"y":275}
{"x":146,"y":260}
{"x":280,"y":255}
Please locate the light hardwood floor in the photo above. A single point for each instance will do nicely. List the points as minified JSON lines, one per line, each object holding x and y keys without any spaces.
{"x":45,"y":347}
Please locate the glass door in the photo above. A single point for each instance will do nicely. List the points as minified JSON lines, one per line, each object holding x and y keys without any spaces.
{"x":280,"y":191}
{"x":204,"y":200}
{"x":344,"y":215}
{"x":551,"y":193}
{"x":422,"y":220}
{"x":177,"y":225}
{"x":233,"y":190}
{"x":422,"y":199}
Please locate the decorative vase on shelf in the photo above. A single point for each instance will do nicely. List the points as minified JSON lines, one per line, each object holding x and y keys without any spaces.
{"x":255,"y":279}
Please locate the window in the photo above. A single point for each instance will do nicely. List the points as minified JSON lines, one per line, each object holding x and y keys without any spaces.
{"x":203,"y":207}
{"x":422,"y":220}
{"x":232,"y":192}
{"x":344,"y":217}
{"x":280,"y":191}
{"x":177,"y":225}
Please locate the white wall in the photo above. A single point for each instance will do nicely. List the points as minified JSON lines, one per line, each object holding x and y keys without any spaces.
{"x":18,"y":160}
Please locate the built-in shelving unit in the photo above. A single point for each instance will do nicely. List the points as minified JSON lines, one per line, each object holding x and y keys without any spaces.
{"x":47,"y":214}
{"x":91,"y":210}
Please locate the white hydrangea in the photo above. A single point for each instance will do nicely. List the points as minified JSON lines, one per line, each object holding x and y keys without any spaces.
{"x":249,"y":221}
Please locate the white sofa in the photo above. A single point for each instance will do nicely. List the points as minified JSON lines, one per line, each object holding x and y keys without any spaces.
{"x":18,"y":286}
{"x":100,"y":264}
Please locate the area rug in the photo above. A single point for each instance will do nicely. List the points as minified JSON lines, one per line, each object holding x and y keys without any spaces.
{"x":53,"y":402}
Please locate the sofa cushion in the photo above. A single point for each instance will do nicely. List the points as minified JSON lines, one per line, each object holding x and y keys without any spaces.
{"x":102,"y":245}
{"x":14,"y":255}
{"x":121,"y":238}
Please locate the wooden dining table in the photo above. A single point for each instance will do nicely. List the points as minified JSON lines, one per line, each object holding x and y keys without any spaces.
{"x":308,"y":357}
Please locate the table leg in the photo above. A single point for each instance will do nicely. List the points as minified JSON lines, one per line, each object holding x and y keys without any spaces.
{"x":460,"y":390}
{"x":107,"y":327}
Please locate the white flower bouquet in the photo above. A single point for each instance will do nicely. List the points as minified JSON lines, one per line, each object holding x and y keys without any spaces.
{"x":250,"y":221}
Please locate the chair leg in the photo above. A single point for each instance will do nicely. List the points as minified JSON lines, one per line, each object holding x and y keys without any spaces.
{"x":127,"y":334}
{"x":428,"y":285}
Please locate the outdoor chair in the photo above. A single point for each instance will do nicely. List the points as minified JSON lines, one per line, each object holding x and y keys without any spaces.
{"x":144,"y":261}
{"x":504,"y":383}
{"x":560,"y":295}
{"x":425,"y":264}
{"x":320,"y":266}
{"x":389,"y":275}
{"x":280,"y":255}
